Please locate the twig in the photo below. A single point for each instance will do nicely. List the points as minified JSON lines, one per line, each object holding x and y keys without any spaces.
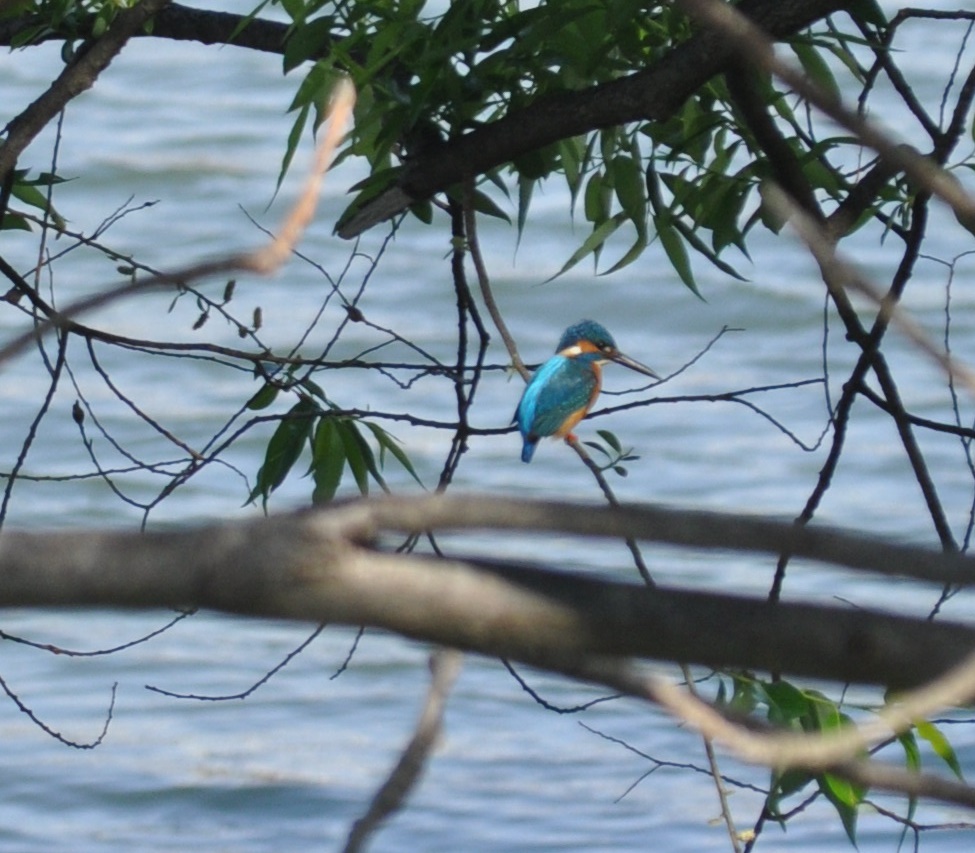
{"x":484,"y":282}
{"x":445,"y":666}
{"x":243,"y":694}
{"x":612,"y":500}
{"x":76,"y":78}
{"x":840,"y":274}
{"x":262,"y":261}
{"x":726,"y":815}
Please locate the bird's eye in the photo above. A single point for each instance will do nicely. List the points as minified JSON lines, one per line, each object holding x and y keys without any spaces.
{"x":606,"y":347}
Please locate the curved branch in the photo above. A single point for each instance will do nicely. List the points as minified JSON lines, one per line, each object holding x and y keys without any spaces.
{"x":315,"y":566}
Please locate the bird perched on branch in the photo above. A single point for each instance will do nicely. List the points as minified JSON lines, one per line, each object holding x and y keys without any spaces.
{"x":565,"y":387}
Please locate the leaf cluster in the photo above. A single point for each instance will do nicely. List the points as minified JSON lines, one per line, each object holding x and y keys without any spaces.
{"x":688,"y":182}
{"x":29,"y":191}
{"x":71,"y":20}
{"x":788,"y":706}
{"x":336,"y":443}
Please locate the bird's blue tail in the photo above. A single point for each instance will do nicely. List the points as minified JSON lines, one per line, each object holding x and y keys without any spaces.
{"x":528,"y":450}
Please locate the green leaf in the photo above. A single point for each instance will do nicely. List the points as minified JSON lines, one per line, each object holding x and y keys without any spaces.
{"x":595,"y":445}
{"x":596,"y":198}
{"x":634,"y":252}
{"x":816,"y":68}
{"x":912,"y":754}
{"x":284,"y":448}
{"x":313,"y":388}
{"x":785,"y":702}
{"x":785,"y":784}
{"x":308,"y":41}
{"x":571,"y":154}
{"x":315,"y":87}
{"x":483,"y":203}
{"x":328,"y":460}
{"x":264,"y":397}
{"x":15,"y":222}
{"x":29,"y":194}
{"x":368,"y":457}
{"x":824,"y":713}
{"x":610,"y":439}
{"x":593,"y":242}
{"x":630,"y":186}
{"x":353,"y":454}
{"x":526,"y":187}
{"x":745,"y":696}
{"x":673,"y":245}
{"x":294,"y":137}
{"x":389,"y":442}
{"x":845,"y":798}
{"x":912,"y":760}
{"x":869,"y":10}
{"x":423,"y":210}
{"x":843,"y":790}
{"x":359,"y":455}
{"x":701,"y":248}
{"x":295,"y":9}
{"x":939,"y":743}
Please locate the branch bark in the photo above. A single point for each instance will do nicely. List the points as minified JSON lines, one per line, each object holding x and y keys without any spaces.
{"x":320,"y":566}
{"x":176,"y":22}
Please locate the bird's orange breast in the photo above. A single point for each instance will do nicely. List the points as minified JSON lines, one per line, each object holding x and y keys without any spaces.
{"x":570,"y":422}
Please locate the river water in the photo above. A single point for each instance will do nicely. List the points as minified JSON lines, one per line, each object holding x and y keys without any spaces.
{"x":200,"y":131}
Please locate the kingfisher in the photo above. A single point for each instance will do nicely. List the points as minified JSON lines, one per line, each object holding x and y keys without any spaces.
{"x":564,"y":388}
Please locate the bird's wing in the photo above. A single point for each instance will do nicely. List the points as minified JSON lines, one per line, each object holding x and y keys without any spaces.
{"x":559,"y":388}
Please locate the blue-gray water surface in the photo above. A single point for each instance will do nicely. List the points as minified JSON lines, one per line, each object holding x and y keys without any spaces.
{"x":200,"y":131}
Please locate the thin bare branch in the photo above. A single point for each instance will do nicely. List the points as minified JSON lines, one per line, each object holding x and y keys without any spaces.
{"x":444,"y":667}
{"x":840,"y":274}
{"x":262,"y":261}
{"x":76,"y":78}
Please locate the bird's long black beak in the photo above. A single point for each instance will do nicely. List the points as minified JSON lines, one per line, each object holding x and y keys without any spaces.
{"x":633,"y":364}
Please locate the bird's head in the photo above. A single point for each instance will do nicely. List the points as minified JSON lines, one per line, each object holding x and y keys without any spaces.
{"x":592,"y":341}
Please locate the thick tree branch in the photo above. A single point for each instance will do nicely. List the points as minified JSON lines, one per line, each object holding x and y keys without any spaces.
{"x":317,"y":566}
{"x":176,"y":22}
{"x":688,"y":528}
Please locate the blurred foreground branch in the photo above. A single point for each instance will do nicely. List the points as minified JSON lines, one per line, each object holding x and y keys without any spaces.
{"x":327,"y":565}
{"x":324,"y":565}
{"x":264,"y":260}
